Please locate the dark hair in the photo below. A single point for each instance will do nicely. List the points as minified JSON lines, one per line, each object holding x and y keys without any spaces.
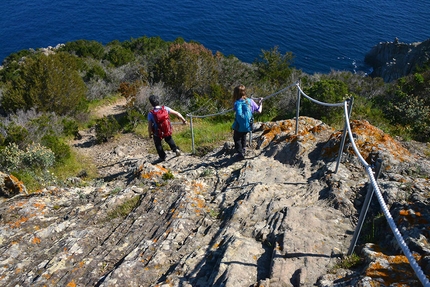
{"x":153,"y":99}
{"x":239,"y":92}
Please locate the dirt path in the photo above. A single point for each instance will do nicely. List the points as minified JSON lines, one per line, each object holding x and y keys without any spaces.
{"x":118,"y":154}
{"x":114,"y":108}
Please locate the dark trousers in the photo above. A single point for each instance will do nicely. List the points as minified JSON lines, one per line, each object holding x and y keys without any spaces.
{"x":159,"y":146}
{"x":239,"y":141}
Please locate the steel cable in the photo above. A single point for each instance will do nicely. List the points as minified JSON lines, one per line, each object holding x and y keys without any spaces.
{"x":421,"y":276}
{"x":384,"y":207}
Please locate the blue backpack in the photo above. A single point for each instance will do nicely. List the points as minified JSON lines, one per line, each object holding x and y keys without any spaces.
{"x":244,"y":119}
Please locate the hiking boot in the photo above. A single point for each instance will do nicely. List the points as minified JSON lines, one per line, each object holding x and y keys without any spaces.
{"x":240,"y":157}
{"x":158,"y":160}
{"x":178,"y":152}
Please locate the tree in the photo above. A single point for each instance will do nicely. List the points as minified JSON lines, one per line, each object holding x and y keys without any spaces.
{"x":46,"y":83}
{"x":119,"y":55}
{"x":188,"y":68}
{"x":275,"y":67}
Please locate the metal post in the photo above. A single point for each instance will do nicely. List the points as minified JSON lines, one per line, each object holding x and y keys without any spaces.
{"x":364,"y":209}
{"x":192,"y":134}
{"x":342,"y":144}
{"x":298,"y":109}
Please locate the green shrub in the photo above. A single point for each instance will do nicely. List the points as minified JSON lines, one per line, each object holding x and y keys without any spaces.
{"x":34,"y":156}
{"x":119,"y":56}
{"x":38,"y":156}
{"x":11,"y":65}
{"x":274,"y":67}
{"x":188,"y":68}
{"x":147,"y":46}
{"x":10,"y":157}
{"x":16,"y":134}
{"x":168,"y":175}
{"x":85,"y":49}
{"x":47,"y":83}
{"x":106,"y":128}
{"x":57,"y":146}
{"x":407,"y":106}
{"x":327,"y":91}
{"x":95,"y":71}
{"x":132,"y":119}
{"x":70,"y":127}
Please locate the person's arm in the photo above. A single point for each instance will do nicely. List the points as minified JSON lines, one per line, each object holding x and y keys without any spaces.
{"x":150,"y":129}
{"x":178,"y":115}
{"x":257,"y":108}
{"x":260,"y":105}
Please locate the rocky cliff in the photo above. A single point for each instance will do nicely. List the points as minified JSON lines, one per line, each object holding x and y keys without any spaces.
{"x":281,"y":217}
{"x":393,"y":60}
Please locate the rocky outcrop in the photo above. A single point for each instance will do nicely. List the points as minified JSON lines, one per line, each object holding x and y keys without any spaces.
{"x":281,"y":217}
{"x":10,"y":185}
{"x":393,"y":60}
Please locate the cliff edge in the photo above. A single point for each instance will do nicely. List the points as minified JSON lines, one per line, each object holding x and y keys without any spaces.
{"x":393,"y":60}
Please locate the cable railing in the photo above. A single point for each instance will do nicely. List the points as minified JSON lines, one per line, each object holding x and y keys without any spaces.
{"x":400,"y":241}
{"x":347,"y":107}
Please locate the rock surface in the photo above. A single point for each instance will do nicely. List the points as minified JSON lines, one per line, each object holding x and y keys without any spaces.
{"x":393,"y":60}
{"x":281,"y":217}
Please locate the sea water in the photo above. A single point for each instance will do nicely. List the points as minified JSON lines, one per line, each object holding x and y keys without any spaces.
{"x":322,"y":35}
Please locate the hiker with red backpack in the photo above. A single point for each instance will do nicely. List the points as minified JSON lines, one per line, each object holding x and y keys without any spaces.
{"x":159,"y":127}
{"x":244,"y":107}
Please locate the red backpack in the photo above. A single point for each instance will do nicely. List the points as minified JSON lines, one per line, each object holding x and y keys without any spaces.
{"x":164,"y":127}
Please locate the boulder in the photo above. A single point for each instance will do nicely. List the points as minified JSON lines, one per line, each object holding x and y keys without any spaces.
{"x":393,"y":60}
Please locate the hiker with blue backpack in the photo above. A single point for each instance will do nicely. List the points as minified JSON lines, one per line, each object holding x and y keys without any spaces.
{"x":159,"y":127}
{"x":244,"y":107}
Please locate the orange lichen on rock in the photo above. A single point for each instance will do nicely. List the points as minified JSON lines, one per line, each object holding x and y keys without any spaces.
{"x":274,"y":129}
{"x":152,"y":174}
{"x":36,"y":240}
{"x":370,"y":139}
{"x":395,"y":269}
{"x":17,"y":224}
{"x":39,"y":206}
{"x":200,"y":202}
{"x":198,"y":187}
{"x":14,"y":185}
{"x":413,"y":217}
{"x":285,"y":130}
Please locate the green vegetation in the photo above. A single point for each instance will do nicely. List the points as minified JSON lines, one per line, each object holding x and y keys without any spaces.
{"x":46,"y":83}
{"x":374,"y":228}
{"x":348,"y":262}
{"x":168,"y":175}
{"x":124,"y":209}
{"x":106,"y":128}
{"x":46,"y":97}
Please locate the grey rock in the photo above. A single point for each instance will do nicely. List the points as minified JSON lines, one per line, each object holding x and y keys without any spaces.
{"x":393,"y":60}
{"x":281,"y":217}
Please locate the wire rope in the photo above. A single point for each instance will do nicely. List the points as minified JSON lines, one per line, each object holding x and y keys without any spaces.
{"x":384,"y":207}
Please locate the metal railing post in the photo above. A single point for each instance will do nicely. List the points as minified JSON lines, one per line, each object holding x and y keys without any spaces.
{"x":192,"y":134}
{"x":342,"y":144}
{"x":298,"y":109}
{"x":364,"y":209}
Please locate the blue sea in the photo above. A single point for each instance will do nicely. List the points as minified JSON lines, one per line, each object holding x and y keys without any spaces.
{"x":322,"y":35}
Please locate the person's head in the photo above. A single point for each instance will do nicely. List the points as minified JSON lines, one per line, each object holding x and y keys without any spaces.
{"x":153,"y":99}
{"x":239,"y":92}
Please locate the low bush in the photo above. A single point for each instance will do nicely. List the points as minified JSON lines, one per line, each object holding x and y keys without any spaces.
{"x":106,"y":128}
{"x":33,"y":157}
